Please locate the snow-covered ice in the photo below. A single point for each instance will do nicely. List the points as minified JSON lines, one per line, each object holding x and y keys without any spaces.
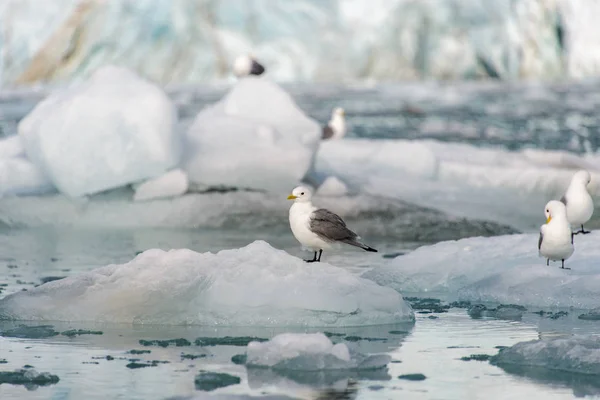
{"x":577,"y":354}
{"x":255,"y":137}
{"x":256,"y":285}
{"x":11,"y":147}
{"x":460,"y":179}
{"x":309,"y":352}
{"x":19,"y":176}
{"x":170,"y":184}
{"x":111,"y":130}
{"x":505,"y":269}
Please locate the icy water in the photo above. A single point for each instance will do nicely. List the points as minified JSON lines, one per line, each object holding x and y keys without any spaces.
{"x":49,"y":237}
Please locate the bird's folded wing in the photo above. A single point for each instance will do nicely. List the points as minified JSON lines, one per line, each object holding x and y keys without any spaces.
{"x":329,"y":226}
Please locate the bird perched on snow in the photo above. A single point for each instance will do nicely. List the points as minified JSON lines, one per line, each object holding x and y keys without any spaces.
{"x":578,"y":201}
{"x":336,"y":127}
{"x":247,"y":65}
{"x":555,"y":235}
{"x":316,"y":228}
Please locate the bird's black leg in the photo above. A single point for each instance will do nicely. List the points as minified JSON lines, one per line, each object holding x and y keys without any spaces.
{"x":572,"y":236}
{"x":583,"y":230}
{"x":314,"y":258}
{"x":320,"y":252}
{"x":547,"y":261}
{"x":563,"y":264}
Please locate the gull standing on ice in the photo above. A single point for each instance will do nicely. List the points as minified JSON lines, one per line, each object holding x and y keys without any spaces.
{"x":316,"y":228}
{"x":555,"y":235}
{"x":247,"y":65}
{"x":578,"y":201}
{"x":336,"y":127}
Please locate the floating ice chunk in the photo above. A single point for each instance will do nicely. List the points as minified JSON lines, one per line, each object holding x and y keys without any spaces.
{"x":504,"y":269}
{"x":171,"y":184}
{"x":309,"y":352}
{"x":18,"y":176}
{"x":578,"y":354}
{"x":112,"y":130}
{"x":332,"y":187}
{"x":255,"y":137}
{"x":11,"y":147}
{"x":254,"y":285}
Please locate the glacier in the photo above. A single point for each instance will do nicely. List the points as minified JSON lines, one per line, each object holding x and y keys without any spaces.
{"x":256,"y":285}
{"x":502,"y":269}
{"x":576,"y":354}
{"x":334,"y":40}
{"x":309,"y":352}
{"x":114,"y":129}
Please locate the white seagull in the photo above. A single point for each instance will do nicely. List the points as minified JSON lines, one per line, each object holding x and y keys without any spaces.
{"x":336,"y":127}
{"x":578,"y":201}
{"x":556,"y":238}
{"x":247,"y":65}
{"x":316,"y":228}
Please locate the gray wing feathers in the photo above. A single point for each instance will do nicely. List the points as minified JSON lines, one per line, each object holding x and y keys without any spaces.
{"x":540,"y":241}
{"x":327,"y":132}
{"x":329,"y":226}
{"x":564,"y":200}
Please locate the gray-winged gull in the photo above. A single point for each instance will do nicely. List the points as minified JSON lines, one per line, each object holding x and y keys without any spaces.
{"x":247,"y":65}
{"x":336,"y":127}
{"x":316,"y":228}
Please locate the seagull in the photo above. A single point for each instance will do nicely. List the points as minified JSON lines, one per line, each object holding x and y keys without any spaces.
{"x":578,"y":201}
{"x":247,"y":65}
{"x":316,"y":228}
{"x":556,"y":238}
{"x":336,"y":127}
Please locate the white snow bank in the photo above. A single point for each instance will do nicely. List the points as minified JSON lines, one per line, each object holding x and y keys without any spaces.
{"x":578,"y":354}
{"x":505,"y":269}
{"x":256,"y":285}
{"x":112,"y":130}
{"x":255,"y":137}
{"x":171,"y":184}
{"x":460,"y":179}
{"x":309,"y":352}
{"x":11,"y":147}
{"x":18,"y":176}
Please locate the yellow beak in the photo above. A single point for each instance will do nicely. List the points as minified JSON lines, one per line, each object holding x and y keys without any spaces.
{"x":292,"y":197}
{"x":549,"y":218}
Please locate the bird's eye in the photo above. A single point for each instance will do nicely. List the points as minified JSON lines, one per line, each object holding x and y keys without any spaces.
{"x":302,"y":194}
{"x":547,"y":211}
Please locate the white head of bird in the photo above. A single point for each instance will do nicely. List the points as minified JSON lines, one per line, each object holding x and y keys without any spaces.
{"x":301,"y":194}
{"x":555,"y":210}
{"x":581,"y":178}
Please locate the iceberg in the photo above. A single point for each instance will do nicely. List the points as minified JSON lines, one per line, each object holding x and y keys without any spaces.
{"x":576,"y":354}
{"x":502,"y":269}
{"x":463,"y":180}
{"x":255,"y":137}
{"x":309,"y":352}
{"x":171,"y":184}
{"x":19,"y":176}
{"x":256,"y":285}
{"x":111,"y":130}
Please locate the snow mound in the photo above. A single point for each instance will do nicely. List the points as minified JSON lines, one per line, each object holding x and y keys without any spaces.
{"x":504,"y":269}
{"x":256,"y":285}
{"x":171,"y":184}
{"x":255,"y":137}
{"x":19,"y":176}
{"x":309,"y":352}
{"x":112,"y":130}
{"x":577,"y":354}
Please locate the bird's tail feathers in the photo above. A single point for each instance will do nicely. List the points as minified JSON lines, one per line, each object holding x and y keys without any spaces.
{"x":359,"y":244}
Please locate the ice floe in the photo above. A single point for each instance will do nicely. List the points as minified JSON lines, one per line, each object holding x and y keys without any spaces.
{"x":309,"y":352}
{"x":256,"y":285}
{"x":255,"y":137}
{"x":170,"y":184}
{"x":111,"y":130}
{"x":576,"y":354}
{"x":504,"y":269}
